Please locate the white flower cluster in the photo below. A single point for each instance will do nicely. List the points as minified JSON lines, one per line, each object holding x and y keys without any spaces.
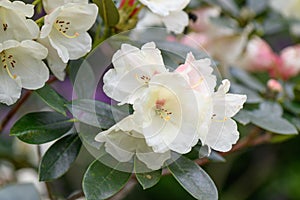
{"x":23,"y":46}
{"x":172,"y":110}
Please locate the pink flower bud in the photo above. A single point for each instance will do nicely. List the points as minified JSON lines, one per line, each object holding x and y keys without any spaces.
{"x":290,"y":62}
{"x":274,"y":85}
{"x":258,"y":56}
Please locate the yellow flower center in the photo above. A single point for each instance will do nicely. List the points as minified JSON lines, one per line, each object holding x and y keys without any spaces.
{"x":8,"y":62}
{"x":64,"y":28}
{"x":161,"y":111}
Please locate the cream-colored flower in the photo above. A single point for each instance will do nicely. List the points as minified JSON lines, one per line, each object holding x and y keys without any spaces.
{"x":14,"y":25}
{"x":50,"y":5}
{"x":124,"y":140}
{"x":65,"y":29}
{"x":21,"y":67}
{"x":133,"y":69}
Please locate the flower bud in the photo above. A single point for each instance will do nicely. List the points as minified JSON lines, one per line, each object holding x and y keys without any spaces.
{"x":274,"y":85}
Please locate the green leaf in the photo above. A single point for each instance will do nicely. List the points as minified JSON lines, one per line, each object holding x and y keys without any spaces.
{"x":268,"y":117}
{"x":242,"y":117}
{"x":19,"y":191}
{"x":97,"y":113}
{"x":252,"y":96}
{"x":292,"y":106}
{"x":257,"y":6}
{"x":59,"y":157}
{"x":108,"y":11}
{"x":41,"y":127}
{"x":226,"y":5}
{"x":146,"y":179}
{"x":247,"y":80}
{"x":193,"y":179}
{"x":52,"y":99}
{"x":102,"y":182}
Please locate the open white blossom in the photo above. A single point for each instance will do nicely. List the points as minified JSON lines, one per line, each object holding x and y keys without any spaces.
{"x":50,"y":5}
{"x":133,"y":69}
{"x":124,"y":140}
{"x":288,"y":8}
{"x":15,"y":26}
{"x":65,"y":29}
{"x":223,"y":133}
{"x":169,"y":13}
{"x":168,"y":112}
{"x":21,"y":67}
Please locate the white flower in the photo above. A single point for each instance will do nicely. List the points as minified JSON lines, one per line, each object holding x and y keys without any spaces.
{"x":14,"y":25}
{"x":169,"y":113}
{"x":288,"y":8}
{"x":65,"y":29}
{"x":133,"y":69}
{"x":50,"y":5}
{"x":21,"y":67}
{"x":169,"y":13}
{"x":124,"y":140}
{"x":223,"y":131}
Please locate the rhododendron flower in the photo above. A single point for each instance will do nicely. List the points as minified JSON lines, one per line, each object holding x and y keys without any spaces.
{"x":65,"y":29}
{"x":15,"y":26}
{"x":288,"y":8}
{"x":169,"y":13}
{"x":258,"y":56}
{"x":169,"y":113}
{"x":21,"y":67}
{"x":124,"y":140}
{"x":288,"y":65}
{"x":133,"y":69}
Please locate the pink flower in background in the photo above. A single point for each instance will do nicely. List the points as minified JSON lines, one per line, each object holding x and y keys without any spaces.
{"x":274,"y":85}
{"x":258,"y":56}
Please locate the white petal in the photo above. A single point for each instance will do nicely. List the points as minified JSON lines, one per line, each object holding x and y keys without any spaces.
{"x":19,"y":7}
{"x":49,"y":21}
{"x":76,"y":47}
{"x":222,"y":135}
{"x":29,"y":66}
{"x":153,"y":160}
{"x":56,"y":65}
{"x":149,"y":19}
{"x":10,"y":90}
{"x":50,"y":5}
{"x":162,"y":7}
{"x":176,"y":21}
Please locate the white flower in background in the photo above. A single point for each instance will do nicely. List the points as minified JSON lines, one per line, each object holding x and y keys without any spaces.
{"x":169,"y":13}
{"x":223,"y":133}
{"x":124,"y":140}
{"x":50,"y":5}
{"x":288,"y":8}
{"x":14,"y":23}
{"x":133,"y":69}
{"x":65,"y":29}
{"x":169,"y":113}
{"x":21,"y":67}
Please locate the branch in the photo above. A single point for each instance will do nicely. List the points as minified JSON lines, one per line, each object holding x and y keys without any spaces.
{"x":76,"y":195}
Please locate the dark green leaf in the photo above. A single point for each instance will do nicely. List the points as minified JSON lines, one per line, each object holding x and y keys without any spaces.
{"x":102,"y":182}
{"x":146,"y":177}
{"x":292,"y":106}
{"x":19,"y":191}
{"x":193,"y":179}
{"x":97,"y":113}
{"x":59,"y":157}
{"x":108,"y":11}
{"x":257,"y":6}
{"x":52,"y":99}
{"x":41,"y":127}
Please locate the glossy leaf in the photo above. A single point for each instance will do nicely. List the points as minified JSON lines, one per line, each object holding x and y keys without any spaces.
{"x":97,"y":113}
{"x":268,"y":117}
{"x":252,"y":96}
{"x":59,"y":157}
{"x":102,"y":182}
{"x":108,"y":11}
{"x":19,"y":191}
{"x":146,"y":179}
{"x":52,"y":99}
{"x":193,"y":179}
{"x":41,"y":127}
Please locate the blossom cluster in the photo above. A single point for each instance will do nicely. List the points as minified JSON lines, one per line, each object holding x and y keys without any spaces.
{"x":173,"y":111}
{"x":23,"y":46}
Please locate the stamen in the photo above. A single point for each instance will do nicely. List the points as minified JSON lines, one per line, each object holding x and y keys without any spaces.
{"x":161,"y":111}
{"x":62,"y":27}
{"x":144,"y":79}
{"x":6,"y":61}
